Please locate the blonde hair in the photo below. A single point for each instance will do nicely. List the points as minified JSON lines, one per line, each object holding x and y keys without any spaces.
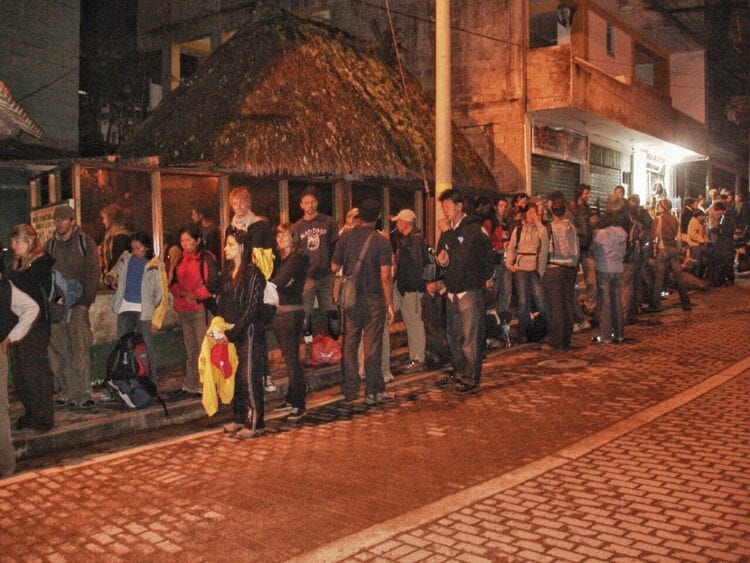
{"x":28,"y":234}
{"x":240,"y":192}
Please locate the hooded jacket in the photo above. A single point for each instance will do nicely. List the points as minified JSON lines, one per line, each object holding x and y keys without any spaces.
{"x":153,"y":289}
{"x":77,"y":258}
{"x":216,"y":385}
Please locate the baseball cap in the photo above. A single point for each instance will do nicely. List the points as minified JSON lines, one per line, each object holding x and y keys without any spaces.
{"x":405,"y":215}
{"x":64,"y":212}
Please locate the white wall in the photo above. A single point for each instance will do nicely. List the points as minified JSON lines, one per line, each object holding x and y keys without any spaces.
{"x":687,"y":83}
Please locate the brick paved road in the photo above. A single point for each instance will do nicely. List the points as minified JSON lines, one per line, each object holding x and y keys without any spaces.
{"x":348,"y":468}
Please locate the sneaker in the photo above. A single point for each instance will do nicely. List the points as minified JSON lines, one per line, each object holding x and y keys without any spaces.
{"x":371,"y":399}
{"x":467,"y":388}
{"x":580,"y":327}
{"x":190,"y":391}
{"x":600,"y":340}
{"x":284,"y":407}
{"x":268,"y":384}
{"x":62,"y":400}
{"x":388,"y":377}
{"x":385,"y":396}
{"x":412,"y":366}
{"x":447,"y":381}
{"x":87,"y":404}
{"x":232,"y":427}
{"x":296,"y":414}
{"x":247,"y":433}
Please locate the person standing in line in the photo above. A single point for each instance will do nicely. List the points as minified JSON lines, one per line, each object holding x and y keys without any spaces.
{"x":18,"y":312}
{"x":664,"y":236}
{"x":526,"y":257}
{"x":411,"y":258}
{"x":194,"y":273}
{"x":560,"y":277}
{"x":366,"y":255}
{"x":696,"y":240}
{"x":318,"y":235}
{"x":71,"y":339}
{"x":465,"y":253}
{"x":260,"y":240}
{"x":140,"y":299}
{"x":201,"y":216}
{"x":582,"y":220}
{"x":289,"y":277}
{"x":240,"y":304}
{"x":608,"y":250}
{"x":116,"y":236}
{"x":31,"y":272}
{"x":497,"y":227}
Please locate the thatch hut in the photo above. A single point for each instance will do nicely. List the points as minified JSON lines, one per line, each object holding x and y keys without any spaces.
{"x":287,"y":102}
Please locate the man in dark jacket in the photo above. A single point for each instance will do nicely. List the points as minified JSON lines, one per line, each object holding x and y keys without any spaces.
{"x":411,"y":257}
{"x":464,"y":251}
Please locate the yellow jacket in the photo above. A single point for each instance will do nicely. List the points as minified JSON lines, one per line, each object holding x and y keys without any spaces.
{"x":215,"y":385}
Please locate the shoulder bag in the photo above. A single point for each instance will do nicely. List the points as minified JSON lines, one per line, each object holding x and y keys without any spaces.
{"x":348,"y":293}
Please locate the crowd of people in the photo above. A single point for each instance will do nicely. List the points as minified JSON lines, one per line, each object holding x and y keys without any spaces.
{"x":495,"y":260}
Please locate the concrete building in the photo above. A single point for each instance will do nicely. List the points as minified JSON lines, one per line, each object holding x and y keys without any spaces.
{"x":39,"y":59}
{"x":549,"y":93}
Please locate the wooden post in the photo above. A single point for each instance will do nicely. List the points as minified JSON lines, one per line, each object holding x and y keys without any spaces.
{"x":35,"y":194}
{"x":75,"y":181}
{"x":339,"y":202}
{"x":387,"y":209}
{"x":156,"y":212}
{"x":419,"y":209}
{"x":223,"y":206}
{"x":283,"y":201}
{"x":53,"y":186}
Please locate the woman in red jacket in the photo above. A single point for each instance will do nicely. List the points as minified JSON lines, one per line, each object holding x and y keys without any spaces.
{"x":192,"y":287}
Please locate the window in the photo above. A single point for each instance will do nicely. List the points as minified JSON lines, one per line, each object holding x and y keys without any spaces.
{"x":543,"y":30}
{"x":610,"y":40}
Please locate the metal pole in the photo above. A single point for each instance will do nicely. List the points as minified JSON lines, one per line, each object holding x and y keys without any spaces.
{"x":443,"y":153}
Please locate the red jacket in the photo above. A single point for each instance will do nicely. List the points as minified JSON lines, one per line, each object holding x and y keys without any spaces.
{"x":188,"y":278}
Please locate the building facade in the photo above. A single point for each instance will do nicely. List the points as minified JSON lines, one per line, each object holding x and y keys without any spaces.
{"x":549,"y":93}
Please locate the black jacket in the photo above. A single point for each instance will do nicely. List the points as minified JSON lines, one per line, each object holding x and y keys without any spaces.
{"x":241,"y":303}
{"x":411,"y":255}
{"x":470,"y":253}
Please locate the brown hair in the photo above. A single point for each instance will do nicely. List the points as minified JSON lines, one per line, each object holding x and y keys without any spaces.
{"x":241,"y":192}
{"x":115,"y":213}
{"x":287,"y":228}
{"x":27,"y":233}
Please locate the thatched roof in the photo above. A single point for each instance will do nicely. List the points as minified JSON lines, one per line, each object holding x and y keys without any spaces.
{"x":291,"y":97}
{"x":14,"y":120}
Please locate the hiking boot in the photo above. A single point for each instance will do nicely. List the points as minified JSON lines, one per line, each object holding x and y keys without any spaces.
{"x":447,"y":381}
{"x":467,"y":388}
{"x":247,"y":433}
{"x":268,"y":384}
{"x":412,"y":366}
{"x":232,"y":427}
{"x":284,"y":407}
{"x":297,"y":414}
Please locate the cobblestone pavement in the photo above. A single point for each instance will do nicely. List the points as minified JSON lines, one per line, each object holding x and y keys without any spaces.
{"x":678,"y":487}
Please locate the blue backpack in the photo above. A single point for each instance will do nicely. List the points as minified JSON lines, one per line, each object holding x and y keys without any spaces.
{"x":64,"y":294}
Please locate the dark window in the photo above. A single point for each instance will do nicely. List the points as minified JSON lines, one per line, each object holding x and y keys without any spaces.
{"x":651,"y":69}
{"x":610,"y":40}
{"x":543,"y":30}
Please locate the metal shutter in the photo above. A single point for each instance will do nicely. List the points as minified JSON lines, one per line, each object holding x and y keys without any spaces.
{"x":549,"y":174}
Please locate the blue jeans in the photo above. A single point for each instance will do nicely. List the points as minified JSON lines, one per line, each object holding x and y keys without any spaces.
{"x":528,"y":284}
{"x":611,"y":320}
{"x":465,"y":331}
{"x":502,"y":282}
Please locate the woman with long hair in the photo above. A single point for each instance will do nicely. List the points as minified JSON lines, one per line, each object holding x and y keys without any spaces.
{"x":289,"y":278}
{"x":116,"y":235}
{"x":31,"y":272}
{"x":192,"y":288}
{"x":140,"y":298}
{"x":240,"y":303}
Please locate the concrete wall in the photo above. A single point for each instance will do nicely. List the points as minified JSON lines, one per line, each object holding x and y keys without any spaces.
{"x":687,"y":83}
{"x":39,"y":43}
{"x":619,"y":65}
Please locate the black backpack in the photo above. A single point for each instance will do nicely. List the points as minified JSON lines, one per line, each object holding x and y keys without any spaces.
{"x":128,"y":374}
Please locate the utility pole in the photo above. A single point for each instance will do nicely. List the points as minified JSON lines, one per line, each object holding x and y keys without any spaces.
{"x":443,"y":145}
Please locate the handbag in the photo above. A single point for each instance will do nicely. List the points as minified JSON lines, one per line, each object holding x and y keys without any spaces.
{"x":347,"y":297}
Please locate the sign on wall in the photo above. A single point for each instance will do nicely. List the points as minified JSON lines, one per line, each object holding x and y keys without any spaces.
{"x":655,"y":163}
{"x":564,"y":143}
